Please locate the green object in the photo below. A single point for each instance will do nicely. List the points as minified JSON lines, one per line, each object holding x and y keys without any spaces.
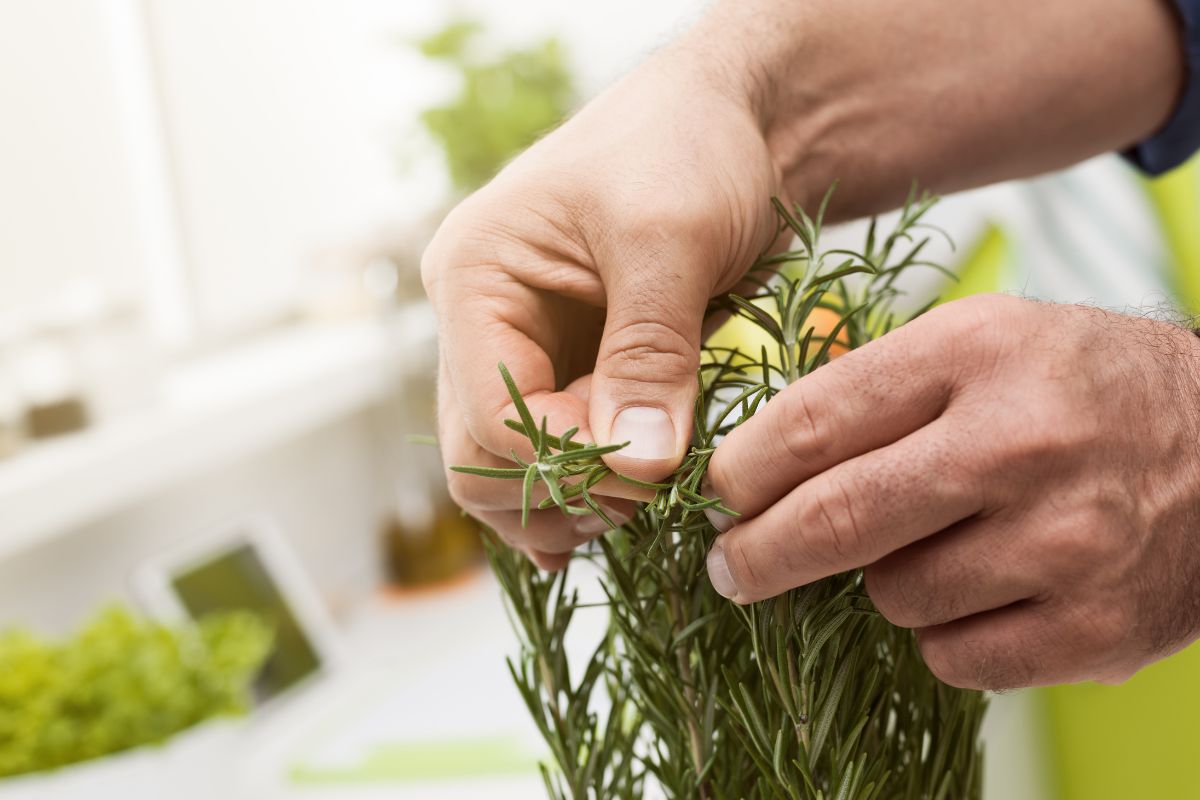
{"x":239,"y":581}
{"x":1176,"y":199}
{"x":1137,"y":740}
{"x":504,"y":104}
{"x":812,"y":695}
{"x":429,"y":761}
{"x":982,"y":269}
{"x":120,"y":683}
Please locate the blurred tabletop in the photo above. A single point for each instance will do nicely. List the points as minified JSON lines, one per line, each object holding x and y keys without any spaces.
{"x":422,"y":707}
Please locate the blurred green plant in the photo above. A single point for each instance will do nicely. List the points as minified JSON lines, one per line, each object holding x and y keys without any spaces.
{"x":121,"y":682}
{"x":504,"y":104}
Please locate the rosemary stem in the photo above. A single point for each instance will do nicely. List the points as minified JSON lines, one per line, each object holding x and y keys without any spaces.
{"x":685,"y":671}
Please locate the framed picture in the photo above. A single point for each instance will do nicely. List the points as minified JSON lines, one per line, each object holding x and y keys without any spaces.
{"x":247,"y":565}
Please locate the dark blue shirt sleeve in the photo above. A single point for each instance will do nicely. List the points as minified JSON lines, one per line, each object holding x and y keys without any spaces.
{"x":1175,"y":142}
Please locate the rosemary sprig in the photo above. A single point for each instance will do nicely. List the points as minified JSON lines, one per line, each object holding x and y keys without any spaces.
{"x":568,"y":474}
{"x":811,"y":695}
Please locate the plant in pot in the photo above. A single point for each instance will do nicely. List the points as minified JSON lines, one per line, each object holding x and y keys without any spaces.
{"x":812,"y":695}
{"x":77,"y":715}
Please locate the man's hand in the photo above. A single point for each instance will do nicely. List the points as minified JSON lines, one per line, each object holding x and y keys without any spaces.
{"x":586,"y":267}
{"x":1020,"y":480}
{"x":587,"y":264}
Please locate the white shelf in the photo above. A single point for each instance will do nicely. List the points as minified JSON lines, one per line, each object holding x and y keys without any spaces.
{"x":211,"y":411}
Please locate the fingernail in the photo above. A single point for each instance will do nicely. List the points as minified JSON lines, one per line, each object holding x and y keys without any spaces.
{"x":649,"y":431}
{"x":593,"y":523}
{"x":722,"y":522}
{"x":718,"y":571}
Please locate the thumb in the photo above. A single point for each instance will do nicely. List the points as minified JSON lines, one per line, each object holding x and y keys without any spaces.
{"x":644,"y":385}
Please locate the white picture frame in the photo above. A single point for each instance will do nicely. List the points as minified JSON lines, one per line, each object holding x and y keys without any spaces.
{"x":152,"y":584}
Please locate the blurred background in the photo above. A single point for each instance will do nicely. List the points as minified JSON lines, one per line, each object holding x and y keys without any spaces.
{"x":214,"y":352}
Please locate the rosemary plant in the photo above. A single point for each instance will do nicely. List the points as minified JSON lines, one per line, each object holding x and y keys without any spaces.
{"x":809,"y":696}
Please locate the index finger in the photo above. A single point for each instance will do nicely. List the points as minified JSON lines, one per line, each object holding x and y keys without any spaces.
{"x":864,"y":400}
{"x":851,"y":515}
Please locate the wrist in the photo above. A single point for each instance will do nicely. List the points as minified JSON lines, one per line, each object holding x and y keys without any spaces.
{"x":857,"y":92}
{"x":749,"y":52}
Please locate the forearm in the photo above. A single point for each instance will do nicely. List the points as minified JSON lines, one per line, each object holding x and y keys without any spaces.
{"x":879,"y":93}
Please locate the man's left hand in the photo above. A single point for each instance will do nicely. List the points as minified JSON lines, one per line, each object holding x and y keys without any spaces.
{"x":1020,"y":480}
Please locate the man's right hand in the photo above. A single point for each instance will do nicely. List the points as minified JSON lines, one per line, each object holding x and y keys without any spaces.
{"x":586,"y":267}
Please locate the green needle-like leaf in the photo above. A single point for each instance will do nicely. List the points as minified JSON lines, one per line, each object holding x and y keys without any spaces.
{"x":492,"y":472}
{"x":530,"y":429}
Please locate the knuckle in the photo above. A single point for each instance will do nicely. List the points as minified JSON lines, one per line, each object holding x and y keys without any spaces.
{"x":961,"y":476}
{"x":828,"y":522}
{"x":657,"y":214}
{"x":976,"y":325}
{"x":1042,"y":443}
{"x":443,"y":251}
{"x":428,"y":273}
{"x":718,"y":478}
{"x":1105,"y":627}
{"x":464,"y":490}
{"x":460,"y":488}
{"x":914,"y":594}
{"x":550,"y":562}
{"x":758,"y":446}
{"x":675,"y":211}
{"x":1075,"y":544}
{"x":547,"y":542}
{"x":942,"y":659}
{"x":979,"y":314}
{"x":657,"y":225}
{"x":884,"y":587}
{"x":751,"y":578}
{"x":1033,"y":450}
{"x":649,"y":350}
{"x":1117,"y":674}
{"x":975,"y":662}
{"x":1047,"y":436}
{"x":502,"y":532}
{"x":723,"y":478}
{"x":508,"y":541}
{"x":972,"y":664}
{"x":433,"y":261}
{"x":475,"y":494}
{"x":472,"y":233}
{"x":799,"y":430}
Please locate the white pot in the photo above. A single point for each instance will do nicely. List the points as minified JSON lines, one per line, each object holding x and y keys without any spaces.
{"x":197,"y":764}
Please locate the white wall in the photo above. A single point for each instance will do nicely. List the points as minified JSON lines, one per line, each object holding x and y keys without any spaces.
{"x":324,"y":490}
{"x":278,"y":154}
{"x":246,"y":135}
{"x":67,"y":206}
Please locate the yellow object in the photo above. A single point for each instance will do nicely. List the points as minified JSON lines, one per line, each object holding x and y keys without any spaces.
{"x":741,"y":333}
{"x":1176,"y":199}
{"x":1129,"y":742}
{"x":982,"y":269}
